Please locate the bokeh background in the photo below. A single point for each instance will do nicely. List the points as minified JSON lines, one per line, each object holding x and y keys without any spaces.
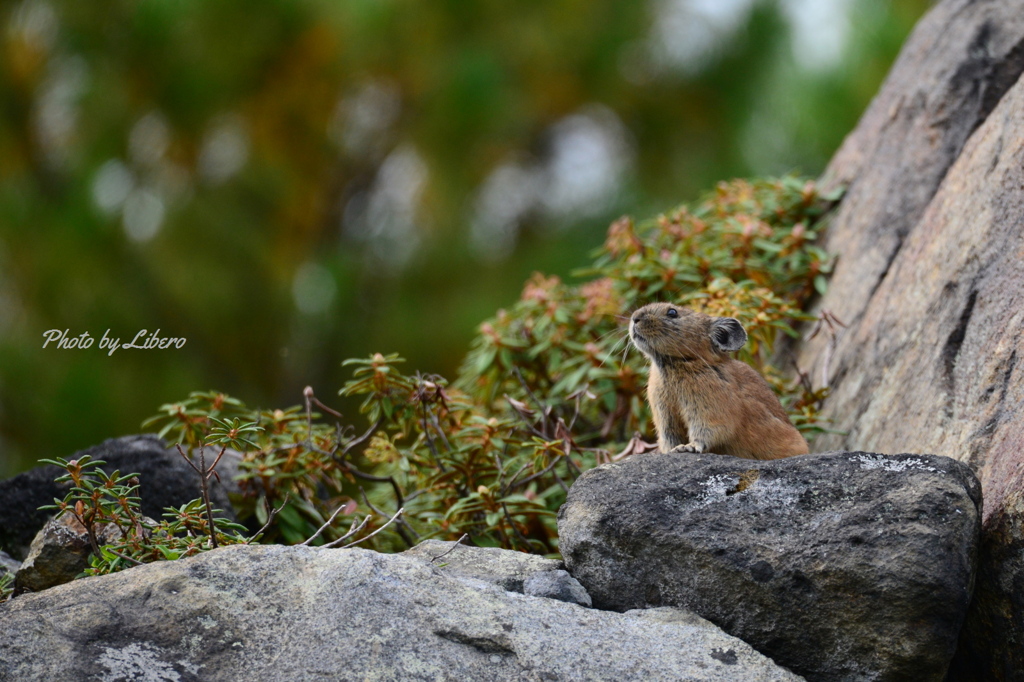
{"x":289,"y":183}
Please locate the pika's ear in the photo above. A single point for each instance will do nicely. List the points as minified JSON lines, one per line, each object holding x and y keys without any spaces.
{"x":727,"y":334}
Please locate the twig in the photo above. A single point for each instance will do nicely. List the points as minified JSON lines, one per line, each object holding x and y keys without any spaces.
{"x":89,"y":531}
{"x":805,"y":381}
{"x":352,"y":531}
{"x":450,"y":549}
{"x":535,"y":476}
{"x":533,"y":429}
{"x":562,"y":483}
{"x":513,"y":479}
{"x":271,"y":513}
{"x":440,"y":431}
{"x":827,"y":322}
{"x":324,"y":527}
{"x":529,"y":391}
{"x":397,"y":514}
{"x":369,"y":432}
{"x":508,"y":517}
{"x":430,"y":439}
{"x":307,"y":393}
{"x":377,"y":479}
{"x":126,"y":558}
{"x":402,"y":525}
{"x":204,"y":484}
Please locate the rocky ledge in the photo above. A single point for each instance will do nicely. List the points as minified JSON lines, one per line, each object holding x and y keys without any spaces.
{"x":843,"y":566}
{"x":301,"y":613}
{"x":840,"y":566}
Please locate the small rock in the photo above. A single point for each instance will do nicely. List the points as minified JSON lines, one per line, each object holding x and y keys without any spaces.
{"x":503,"y":567}
{"x":7,"y":564}
{"x":556,"y":585}
{"x":59,"y":553}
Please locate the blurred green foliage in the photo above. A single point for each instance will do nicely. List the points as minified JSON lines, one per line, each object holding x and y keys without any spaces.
{"x":285,"y":184}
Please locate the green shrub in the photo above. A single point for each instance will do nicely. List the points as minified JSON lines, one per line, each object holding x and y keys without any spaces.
{"x":548,"y":390}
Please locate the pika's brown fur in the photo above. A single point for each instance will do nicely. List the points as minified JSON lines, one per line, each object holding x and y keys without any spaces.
{"x":703,"y":400}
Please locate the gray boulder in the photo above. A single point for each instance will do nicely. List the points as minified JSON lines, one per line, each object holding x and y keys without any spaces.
{"x":842,"y":566}
{"x":296,"y":613}
{"x":928,"y":282}
{"x":165,"y":480}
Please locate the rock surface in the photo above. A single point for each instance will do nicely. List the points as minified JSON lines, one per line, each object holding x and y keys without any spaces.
{"x":7,"y":564}
{"x":512,"y":571}
{"x":506,"y":569}
{"x":557,"y":585}
{"x":929,"y":280}
{"x":961,"y":58}
{"x":59,"y":553}
{"x":165,"y":478}
{"x":842,"y":566}
{"x":297,"y":613}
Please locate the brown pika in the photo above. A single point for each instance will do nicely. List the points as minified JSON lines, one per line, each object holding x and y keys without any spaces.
{"x":704,"y":400}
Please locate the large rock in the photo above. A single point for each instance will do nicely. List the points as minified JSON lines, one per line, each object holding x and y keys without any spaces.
{"x":842,"y":566}
{"x":959,"y":61}
{"x":297,"y":613}
{"x":930,"y":282}
{"x":165,"y":480}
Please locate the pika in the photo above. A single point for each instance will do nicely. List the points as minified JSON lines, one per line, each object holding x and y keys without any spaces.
{"x":702,"y":399}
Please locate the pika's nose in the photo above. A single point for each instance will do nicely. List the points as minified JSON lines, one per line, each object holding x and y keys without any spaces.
{"x":637,"y":314}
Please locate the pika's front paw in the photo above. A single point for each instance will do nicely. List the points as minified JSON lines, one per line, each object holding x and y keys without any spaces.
{"x":689,"y":447}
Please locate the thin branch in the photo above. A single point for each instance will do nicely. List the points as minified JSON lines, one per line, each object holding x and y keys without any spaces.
{"x":805,"y":381}
{"x":533,"y":429}
{"x":517,"y":474}
{"x":125,"y":557}
{"x":440,"y":431}
{"x":430,"y":439}
{"x":271,"y":513}
{"x":535,"y":476}
{"x":529,"y":391}
{"x":397,"y":514}
{"x":204,"y":486}
{"x":827,"y":322}
{"x":508,"y":517}
{"x":377,"y":479}
{"x":352,"y":531}
{"x":213,"y":466}
{"x":562,"y":483}
{"x":307,"y":393}
{"x":326,"y":409}
{"x":187,"y":458}
{"x":353,"y":443}
{"x":402,"y":525}
{"x":324,"y":527}
{"x":450,"y":549}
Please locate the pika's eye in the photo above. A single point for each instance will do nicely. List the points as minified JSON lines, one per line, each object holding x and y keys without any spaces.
{"x":672,"y":312}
